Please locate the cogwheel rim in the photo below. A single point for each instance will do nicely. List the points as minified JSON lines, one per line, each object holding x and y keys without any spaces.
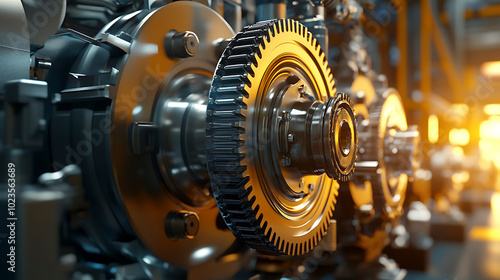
{"x":383,"y":192}
{"x":234,"y":184}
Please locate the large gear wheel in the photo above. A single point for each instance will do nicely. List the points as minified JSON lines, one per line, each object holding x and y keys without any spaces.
{"x":278,"y":137}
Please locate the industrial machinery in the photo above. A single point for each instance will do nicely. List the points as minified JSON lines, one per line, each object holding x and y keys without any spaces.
{"x":163,"y":140}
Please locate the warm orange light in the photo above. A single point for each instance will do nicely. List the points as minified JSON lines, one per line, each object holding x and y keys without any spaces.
{"x":492,"y":109}
{"x":490,"y":129}
{"x":489,"y":145}
{"x":460,"y":177}
{"x":460,"y":108}
{"x":459,"y":136}
{"x":495,"y":206}
{"x":433,"y":128}
{"x":457,"y":151}
{"x":491,"y":69}
{"x":485,"y":234}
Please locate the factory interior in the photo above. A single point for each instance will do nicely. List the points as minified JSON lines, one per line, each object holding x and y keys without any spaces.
{"x":250,"y":139}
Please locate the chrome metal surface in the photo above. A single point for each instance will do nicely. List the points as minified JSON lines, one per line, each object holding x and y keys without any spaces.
{"x":272,"y":112}
{"x":149,"y":185}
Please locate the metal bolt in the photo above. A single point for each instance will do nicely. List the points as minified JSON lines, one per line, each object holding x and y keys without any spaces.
{"x":286,"y":116}
{"x":181,"y":225}
{"x":291,"y":138}
{"x":311,"y":187}
{"x":286,"y":161}
{"x":181,"y":44}
{"x":302,"y":90}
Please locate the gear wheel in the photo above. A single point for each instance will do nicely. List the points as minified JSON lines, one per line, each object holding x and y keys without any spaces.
{"x":386,"y":142}
{"x":275,"y":132}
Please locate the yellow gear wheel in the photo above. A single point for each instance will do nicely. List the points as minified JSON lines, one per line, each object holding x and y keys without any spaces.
{"x":278,"y":138}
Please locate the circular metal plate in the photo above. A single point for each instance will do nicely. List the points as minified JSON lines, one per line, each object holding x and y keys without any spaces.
{"x":145,"y":73}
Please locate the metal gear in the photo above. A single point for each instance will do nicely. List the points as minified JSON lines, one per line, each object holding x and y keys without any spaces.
{"x":276,"y":135}
{"x":395,"y":146}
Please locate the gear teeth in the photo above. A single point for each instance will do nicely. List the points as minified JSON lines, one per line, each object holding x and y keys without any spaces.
{"x":225,"y":137}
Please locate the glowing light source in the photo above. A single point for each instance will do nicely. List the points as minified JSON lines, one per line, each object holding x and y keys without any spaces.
{"x":489,"y":145}
{"x":460,"y":108}
{"x":459,"y":136}
{"x":460,"y":177}
{"x":495,"y":208}
{"x":492,"y":109}
{"x":457,"y":151}
{"x":433,"y":124}
{"x":491,"y":69}
{"x":490,"y":129}
{"x":485,"y":234}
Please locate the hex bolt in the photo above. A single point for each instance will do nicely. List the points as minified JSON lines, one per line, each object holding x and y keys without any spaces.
{"x":286,"y":116}
{"x":291,"y":138}
{"x":181,"y":44}
{"x":181,"y":225}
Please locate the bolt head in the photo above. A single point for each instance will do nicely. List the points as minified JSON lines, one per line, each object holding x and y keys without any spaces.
{"x":191,"y":43}
{"x":181,"y":44}
{"x":191,"y":225}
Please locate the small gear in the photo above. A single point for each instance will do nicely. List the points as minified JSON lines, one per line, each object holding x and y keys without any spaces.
{"x":275,"y":128}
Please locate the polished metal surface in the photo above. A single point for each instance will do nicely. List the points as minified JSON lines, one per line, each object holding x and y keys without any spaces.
{"x":148,"y":184}
{"x":180,"y":114}
{"x":267,"y":124}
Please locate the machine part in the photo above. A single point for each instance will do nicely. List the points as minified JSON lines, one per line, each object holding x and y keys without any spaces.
{"x":260,"y":128}
{"x":23,"y":102}
{"x":329,"y":242}
{"x":313,"y":17}
{"x":44,"y":17}
{"x":181,"y":44}
{"x":175,"y":83}
{"x":346,"y":12}
{"x":273,"y":9}
{"x":388,"y":140}
{"x":14,"y":43}
{"x":90,"y":16}
{"x":158,"y":104}
{"x":363,"y":91}
{"x":182,"y":225}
